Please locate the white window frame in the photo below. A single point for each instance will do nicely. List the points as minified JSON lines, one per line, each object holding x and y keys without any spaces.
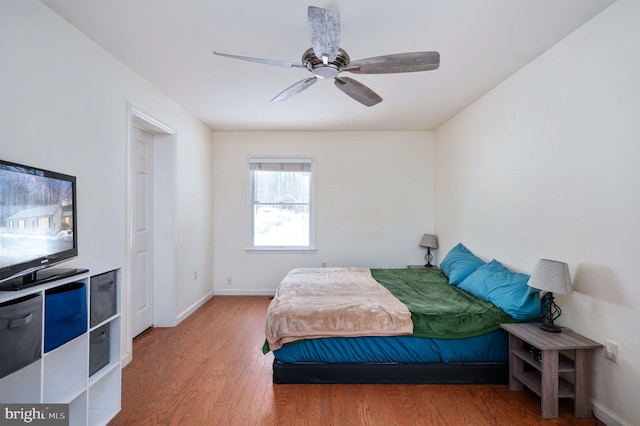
{"x":251,"y":198}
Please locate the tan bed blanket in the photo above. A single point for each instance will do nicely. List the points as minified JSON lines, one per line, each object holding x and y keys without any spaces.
{"x":333,"y":302}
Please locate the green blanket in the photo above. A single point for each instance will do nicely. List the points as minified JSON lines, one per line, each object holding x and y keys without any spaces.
{"x":439,"y":310}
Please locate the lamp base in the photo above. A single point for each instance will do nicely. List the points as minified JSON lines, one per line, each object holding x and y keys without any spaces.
{"x":551,"y":328}
{"x":428,"y":257}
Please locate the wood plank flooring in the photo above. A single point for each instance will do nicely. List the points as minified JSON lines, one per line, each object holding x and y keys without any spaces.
{"x":209,"y":370}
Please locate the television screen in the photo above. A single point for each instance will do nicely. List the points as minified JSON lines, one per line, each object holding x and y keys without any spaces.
{"x":37,"y":221}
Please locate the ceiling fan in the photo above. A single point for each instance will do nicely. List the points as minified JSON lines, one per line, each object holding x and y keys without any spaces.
{"x":325,"y":59}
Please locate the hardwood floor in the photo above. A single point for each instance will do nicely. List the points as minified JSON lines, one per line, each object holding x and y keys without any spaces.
{"x":209,"y":370}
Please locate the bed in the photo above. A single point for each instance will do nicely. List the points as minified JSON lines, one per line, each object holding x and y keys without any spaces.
{"x":361,"y":325}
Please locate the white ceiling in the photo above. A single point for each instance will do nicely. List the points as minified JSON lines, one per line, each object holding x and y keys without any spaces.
{"x":170,"y":44}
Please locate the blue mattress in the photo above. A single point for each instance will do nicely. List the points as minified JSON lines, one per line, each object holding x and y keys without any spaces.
{"x":489,"y":347}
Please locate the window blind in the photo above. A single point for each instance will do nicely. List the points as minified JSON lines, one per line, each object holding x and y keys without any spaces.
{"x":276,"y":165}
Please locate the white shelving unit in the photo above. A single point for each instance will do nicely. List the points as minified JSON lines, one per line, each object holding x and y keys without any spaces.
{"x":62,"y":375}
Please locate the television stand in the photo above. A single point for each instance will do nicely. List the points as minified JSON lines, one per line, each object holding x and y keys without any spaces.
{"x":73,"y":374}
{"x":40,"y":277}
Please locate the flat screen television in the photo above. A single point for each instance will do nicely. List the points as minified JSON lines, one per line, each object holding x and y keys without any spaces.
{"x":38,"y":225}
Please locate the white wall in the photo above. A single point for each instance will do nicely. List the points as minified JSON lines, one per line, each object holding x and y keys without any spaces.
{"x":546,"y":166}
{"x":543,"y":166}
{"x":374,"y":197}
{"x":63,"y":106}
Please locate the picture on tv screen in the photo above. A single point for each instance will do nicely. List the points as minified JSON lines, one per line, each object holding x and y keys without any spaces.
{"x":36,"y":216}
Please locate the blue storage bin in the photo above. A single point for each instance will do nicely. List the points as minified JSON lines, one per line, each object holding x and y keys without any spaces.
{"x":65,"y":314}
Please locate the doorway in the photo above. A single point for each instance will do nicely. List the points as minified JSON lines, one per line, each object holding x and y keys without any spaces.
{"x":150,"y":294}
{"x":142,"y":256}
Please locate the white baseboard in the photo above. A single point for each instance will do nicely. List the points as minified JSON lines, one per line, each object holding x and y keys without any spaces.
{"x":191,"y":309}
{"x":606,"y":416}
{"x":126,"y":359}
{"x":244,"y":292}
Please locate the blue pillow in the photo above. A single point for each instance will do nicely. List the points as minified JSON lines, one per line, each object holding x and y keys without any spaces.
{"x":506,"y":289}
{"x":459,"y":263}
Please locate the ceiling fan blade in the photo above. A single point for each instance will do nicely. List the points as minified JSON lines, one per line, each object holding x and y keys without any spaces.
{"x":261,"y":61}
{"x":357,"y":91}
{"x":324,"y":29}
{"x":295,"y":89}
{"x":400,"y":62}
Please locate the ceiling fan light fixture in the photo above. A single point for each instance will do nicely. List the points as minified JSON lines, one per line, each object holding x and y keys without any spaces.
{"x":327,"y":71}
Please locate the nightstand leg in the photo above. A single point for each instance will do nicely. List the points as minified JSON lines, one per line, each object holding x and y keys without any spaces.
{"x":582,"y":403}
{"x":516,"y":365}
{"x":549,"y":384}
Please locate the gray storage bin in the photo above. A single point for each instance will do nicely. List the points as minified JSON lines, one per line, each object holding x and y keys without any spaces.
{"x":103,"y":297}
{"x":20,"y":333}
{"x":98,"y":348}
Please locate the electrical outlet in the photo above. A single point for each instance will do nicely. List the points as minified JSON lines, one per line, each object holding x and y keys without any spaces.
{"x":229,"y":281}
{"x":195,"y":275}
{"x":611,"y":350}
{"x":324,"y":264}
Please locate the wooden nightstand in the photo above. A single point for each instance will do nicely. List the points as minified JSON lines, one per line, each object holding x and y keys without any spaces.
{"x":562,"y":371}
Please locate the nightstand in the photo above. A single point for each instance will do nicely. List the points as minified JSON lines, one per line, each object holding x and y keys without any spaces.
{"x":558,"y":366}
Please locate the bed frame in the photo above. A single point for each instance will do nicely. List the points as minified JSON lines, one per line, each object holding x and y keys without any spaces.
{"x":436,"y":373}
{"x":391,"y":372}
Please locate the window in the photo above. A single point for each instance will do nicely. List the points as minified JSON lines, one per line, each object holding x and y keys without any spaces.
{"x":43,"y":223}
{"x":281,"y":204}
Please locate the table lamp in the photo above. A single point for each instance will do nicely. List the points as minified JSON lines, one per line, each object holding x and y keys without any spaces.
{"x":430,"y":242}
{"x":550,"y":276}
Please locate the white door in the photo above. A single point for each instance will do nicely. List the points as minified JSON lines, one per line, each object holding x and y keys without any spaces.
{"x":142,"y":262}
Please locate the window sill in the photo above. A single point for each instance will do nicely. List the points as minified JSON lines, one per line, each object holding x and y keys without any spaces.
{"x":281,"y":249}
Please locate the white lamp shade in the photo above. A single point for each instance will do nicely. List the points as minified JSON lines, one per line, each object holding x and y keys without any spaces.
{"x":429,"y":240}
{"x":552,"y":276}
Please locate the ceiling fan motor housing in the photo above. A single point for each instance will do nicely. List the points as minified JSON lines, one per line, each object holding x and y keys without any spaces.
{"x":322,"y":70}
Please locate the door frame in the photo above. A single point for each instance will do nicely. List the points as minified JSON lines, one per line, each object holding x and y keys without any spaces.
{"x":164,"y":223}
